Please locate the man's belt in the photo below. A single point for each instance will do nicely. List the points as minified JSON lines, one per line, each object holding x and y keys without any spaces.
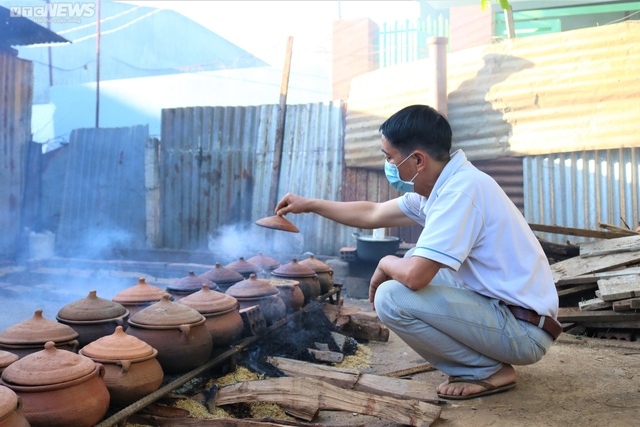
{"x":546,"y":323}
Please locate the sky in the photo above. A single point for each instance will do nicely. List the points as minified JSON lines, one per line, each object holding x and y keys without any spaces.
{"x":263,"y":27}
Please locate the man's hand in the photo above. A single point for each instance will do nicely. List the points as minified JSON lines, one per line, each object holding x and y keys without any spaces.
{"x":291,"y":203}
{"x":378,"y":277}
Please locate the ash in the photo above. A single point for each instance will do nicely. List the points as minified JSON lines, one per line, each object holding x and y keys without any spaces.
{"x":292,"y":341}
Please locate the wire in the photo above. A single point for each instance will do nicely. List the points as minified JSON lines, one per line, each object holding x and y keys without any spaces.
{"x":624,"y":18}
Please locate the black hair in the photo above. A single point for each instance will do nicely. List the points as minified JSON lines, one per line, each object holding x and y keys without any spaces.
{"x":419,"y":127}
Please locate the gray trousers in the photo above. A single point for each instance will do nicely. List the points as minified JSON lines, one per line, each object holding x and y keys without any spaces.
{"x":459,"y":331}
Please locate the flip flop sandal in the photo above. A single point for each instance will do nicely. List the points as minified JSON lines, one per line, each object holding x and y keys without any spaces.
{"x":490,"y":389}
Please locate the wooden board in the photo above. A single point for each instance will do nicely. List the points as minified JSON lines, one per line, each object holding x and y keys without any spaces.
{"x":594,"y":277}
{"x":594,"y":304}
{"x":618,"y":288}
{"x":597,"y":316}
{"x":605,"y":247}
{"x":311,"y":391}
{"x":578,"y":266}
{"x":353,"y":379}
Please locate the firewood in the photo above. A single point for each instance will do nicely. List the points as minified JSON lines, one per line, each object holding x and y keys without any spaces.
{"x":427,"y":367}
{"x":618,"y":288}
{"x":352,"y":379}
{"x":594,"y":304}
{"x":311,"y":391}
{"x":165,"y":411}
{"x":597,"y":316}
{"x":624,"y":304}
{"x":326,"y":356}
{"x":357,"y":324}
{"x":339,"y":339}
{"x":604,"y":247}
{"x":577,"y":266}
{"x":214,"y":422}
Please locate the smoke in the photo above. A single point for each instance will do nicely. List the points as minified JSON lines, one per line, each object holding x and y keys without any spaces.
{"x":242,"y":240}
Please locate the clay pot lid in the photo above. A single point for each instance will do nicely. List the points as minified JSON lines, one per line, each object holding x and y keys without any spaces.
{"x":264,"y":262}
{"x":7,"y":358}
{"x":277,"y":222}
{"x":252,"y":288}
{"x":48,"y":366}
{"x":243,"y":267}
{"x":8,"y":401}
{"x":92,"y":307}
{"x":294,"y":269}
{"x":117,"y":346}
{"x":220,"y":274}
{"x":284,"y":283}
{"x":142,"y":292}
{"x":209,"y":301}
{"x":315,"y":264}
{"x":166,"y":313}
{"x":191,"y":283}
{"x":37,"y":330}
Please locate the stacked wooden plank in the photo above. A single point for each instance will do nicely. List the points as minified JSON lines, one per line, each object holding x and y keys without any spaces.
{"x":606,"y":277}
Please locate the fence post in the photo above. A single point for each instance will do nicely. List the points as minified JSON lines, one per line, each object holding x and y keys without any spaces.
{"x":152,"y":192}
{"x":438,"y":76}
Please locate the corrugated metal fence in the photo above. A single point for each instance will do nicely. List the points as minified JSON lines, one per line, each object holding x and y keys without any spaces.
{"x":103,"y":205}
{"x":215,"y":174}
{"x":16,"y":93}
{"x":583,"y":189}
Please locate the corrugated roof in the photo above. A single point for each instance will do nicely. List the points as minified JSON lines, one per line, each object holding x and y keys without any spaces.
{"x":20,"y":31}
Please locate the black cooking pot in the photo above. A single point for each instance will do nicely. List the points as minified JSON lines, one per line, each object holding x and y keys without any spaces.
{"x":373,"y":249}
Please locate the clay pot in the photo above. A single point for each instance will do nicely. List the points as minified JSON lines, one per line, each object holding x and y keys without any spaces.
{"x":290,"y":293}
{"x":11,"y":414}
{"x":254,"y":291}
{"x":307,"y":278}
{"x":176,"y":331}
{"x":93,"y":317}
{"x":131,"y":368}
{"x":245,"y":268}
{"x":266,"y":264}
{"x":188,"y":285}
{"x":6,"y":359}
{"x":29,"y":336}
{"x":222,"y":312}
{"x":58,"y":388}
{"x":139,"y":296}
{"x":324,"y":272}
{"x":222,"y":276}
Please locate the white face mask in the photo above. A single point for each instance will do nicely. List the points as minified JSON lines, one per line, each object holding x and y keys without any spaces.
{"x":393,"y":176}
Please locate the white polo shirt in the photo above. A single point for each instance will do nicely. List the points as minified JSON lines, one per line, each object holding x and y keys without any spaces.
{"x":472,"y":227}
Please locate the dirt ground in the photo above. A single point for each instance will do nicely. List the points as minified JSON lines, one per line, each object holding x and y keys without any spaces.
{"x":585,"y":382}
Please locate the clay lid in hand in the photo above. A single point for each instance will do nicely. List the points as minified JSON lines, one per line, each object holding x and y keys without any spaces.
{"x":48,"y":366}
{"x":277,"y":222}
{"x":166,"y":313}
{"x":92,"y":307}
{"x":117,"y":346}
{"x":37,"y":330}
{"x":207,"y":301}
{"x":142,"y":292}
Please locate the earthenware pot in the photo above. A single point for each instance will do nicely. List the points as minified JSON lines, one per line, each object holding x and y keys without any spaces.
{"x":131,"y":368}
{"x":188,"y":285}
{"x":176,"y":331}
{"x":93,"y":317}
{"x":324,"y":272}
{"x":6,"y":359}
{"x":222,"y":276}
{"x":11,"y":414}
{"x":58,"y":388}
{"x":307,"y":278}
{"x":254,"y":291}
{"x":139,"y":296}
{"x":29,"y":336}
{"x":245,"y":268}
{"x":222,"y":312}
{"x":290,"y":293}
{"x":266,"y":264}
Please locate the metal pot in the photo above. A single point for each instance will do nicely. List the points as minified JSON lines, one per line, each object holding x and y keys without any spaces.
{"x":373,"y":249}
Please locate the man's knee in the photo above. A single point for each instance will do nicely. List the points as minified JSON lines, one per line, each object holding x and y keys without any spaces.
{"x":384,"y":303}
